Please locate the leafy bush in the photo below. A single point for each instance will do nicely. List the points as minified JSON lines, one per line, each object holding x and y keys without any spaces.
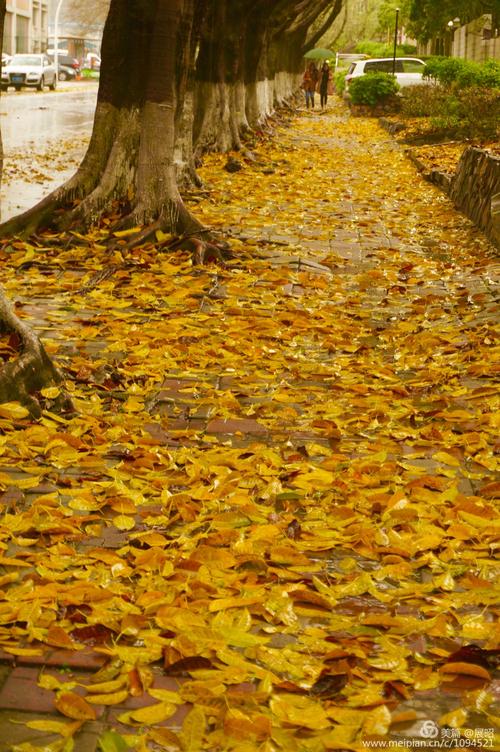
{"x":484,"y":76}
{"x":453,"y":72}
{"x":373,"y":88}
{"x":448,"y":116}
{"x":382,"y":49}
{"x":339,"y":82}
{"x":473,"y":112}
{"x":478,"y":113}
{"x":422,"y":101}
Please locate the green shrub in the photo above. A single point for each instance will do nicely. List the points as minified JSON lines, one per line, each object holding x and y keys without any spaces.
{"x":373,"y":88}
{"x":448,"y":117}
{"x":472,"y":113}
{"x":444,"y":70}
{"x":453,"y":72}
{"x":339,"y":82}
{"x":484,"y":76}
{"x":422,"y":101}
{"x":479,"y":113}
{"x":382,"y":49}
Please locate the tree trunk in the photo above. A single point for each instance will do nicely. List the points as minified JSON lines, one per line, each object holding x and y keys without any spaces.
{"x":22,"y":378}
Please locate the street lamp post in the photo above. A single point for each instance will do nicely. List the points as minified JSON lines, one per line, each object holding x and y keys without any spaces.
{"x":450,"y":29}
{"x":395,"y":43}
{"x":56,"y":38}
{"x":452,"y":26}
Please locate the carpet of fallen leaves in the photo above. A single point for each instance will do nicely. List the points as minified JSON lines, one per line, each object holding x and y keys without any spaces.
{"x":445,"y":157}
{"x":272,"y":516}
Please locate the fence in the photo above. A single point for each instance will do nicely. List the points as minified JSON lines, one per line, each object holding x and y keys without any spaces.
{"x":477,"y":41}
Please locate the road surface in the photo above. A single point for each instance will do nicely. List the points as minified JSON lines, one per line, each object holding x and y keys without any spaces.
{"x":44,"y":138}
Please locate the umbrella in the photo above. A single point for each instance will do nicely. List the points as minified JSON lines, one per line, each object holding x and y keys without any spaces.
{"x":319,"y":54}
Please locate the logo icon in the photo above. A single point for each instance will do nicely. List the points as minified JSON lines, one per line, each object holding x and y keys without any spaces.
{"x":429,"y":730}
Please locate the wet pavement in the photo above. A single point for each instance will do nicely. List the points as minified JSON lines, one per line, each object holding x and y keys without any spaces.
{"x":311,"y":425}
{"x":44,"y":138}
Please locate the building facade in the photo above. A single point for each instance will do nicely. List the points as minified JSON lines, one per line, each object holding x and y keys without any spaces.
{"x":26,"y":26}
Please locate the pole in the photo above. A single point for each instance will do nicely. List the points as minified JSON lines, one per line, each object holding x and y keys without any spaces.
{"x":56,"y":38}
{"x":395,"y":43}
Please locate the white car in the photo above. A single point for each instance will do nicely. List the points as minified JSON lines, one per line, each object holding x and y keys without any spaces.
{"x":408,"y":70}
{"x":29,"y":70}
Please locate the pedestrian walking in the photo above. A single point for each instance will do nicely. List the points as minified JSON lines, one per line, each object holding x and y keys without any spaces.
{"x":325,"y":78}
{"x":309,"y":82}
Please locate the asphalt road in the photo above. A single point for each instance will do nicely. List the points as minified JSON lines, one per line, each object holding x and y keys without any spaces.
{"x":44,"y":137}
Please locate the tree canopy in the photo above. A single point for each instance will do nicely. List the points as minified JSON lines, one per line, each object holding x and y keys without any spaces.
{"x":429,"y":18}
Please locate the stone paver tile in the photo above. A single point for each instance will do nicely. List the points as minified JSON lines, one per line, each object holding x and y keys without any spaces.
{"x":75,"y":659}
{"x":234,"y":425}
{"x":13,"y":730}
{"x":21,"y":692}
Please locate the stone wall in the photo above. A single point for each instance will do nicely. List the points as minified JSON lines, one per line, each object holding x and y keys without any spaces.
{"x":475,"y":190}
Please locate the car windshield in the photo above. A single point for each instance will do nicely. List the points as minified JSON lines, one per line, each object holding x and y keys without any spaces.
{"x":26,"y":60}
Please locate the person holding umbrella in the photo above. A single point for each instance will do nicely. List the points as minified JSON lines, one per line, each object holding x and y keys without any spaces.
{"x":319,"y":53}
{"x":309,"y":81}
{"x":325,"y":77}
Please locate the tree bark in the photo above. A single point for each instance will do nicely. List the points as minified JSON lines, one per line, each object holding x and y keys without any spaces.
{"x":22,"y":378}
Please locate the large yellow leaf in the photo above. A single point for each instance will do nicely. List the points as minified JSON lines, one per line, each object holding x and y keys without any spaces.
{"x":13,"y":411}
{"x":113,"y":698}
{"x":152,"y":714}
{"x":193,"y":729}
{"x":299,"y":711}
{"x":74,"y":706}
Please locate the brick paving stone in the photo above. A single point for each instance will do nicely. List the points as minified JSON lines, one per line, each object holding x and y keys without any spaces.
{"x":13,"y":730}
{"x":87,"y":740}
{"x":160,"y":435}
{"x":234,"y":425}
{"x":75,"y":659}
{"x":21,"y":692}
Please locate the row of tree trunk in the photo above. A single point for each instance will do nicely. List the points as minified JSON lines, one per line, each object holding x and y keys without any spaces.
{"x":178,"y":78}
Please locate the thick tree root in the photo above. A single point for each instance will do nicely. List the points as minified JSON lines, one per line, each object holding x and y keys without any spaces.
{"x":22,"y":379}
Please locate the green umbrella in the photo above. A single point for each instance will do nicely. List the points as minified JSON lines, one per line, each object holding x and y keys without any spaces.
{"x":319,"y":54}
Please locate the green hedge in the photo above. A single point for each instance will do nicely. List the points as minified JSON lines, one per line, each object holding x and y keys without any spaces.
{"x":383,"y":49}
{"x":339,"y":82}
{"x":453,"y":72}
{"x":472,"y":112}
{"x":373,"y":88}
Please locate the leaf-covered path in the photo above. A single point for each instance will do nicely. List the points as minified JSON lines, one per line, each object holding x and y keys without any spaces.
{"x":271,"y":523}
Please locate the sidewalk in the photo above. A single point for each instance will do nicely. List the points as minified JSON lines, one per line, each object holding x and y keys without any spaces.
{"x":272,"y":518}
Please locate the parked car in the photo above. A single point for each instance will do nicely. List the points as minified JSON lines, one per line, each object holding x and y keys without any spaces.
{"x":29,"y":70}
{"x":68,"y":67}
{"x":408,"y":70}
